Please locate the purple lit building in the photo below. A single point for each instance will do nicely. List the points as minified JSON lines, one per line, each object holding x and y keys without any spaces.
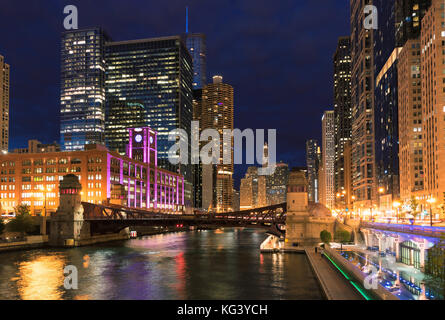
{"x":133,"y":180}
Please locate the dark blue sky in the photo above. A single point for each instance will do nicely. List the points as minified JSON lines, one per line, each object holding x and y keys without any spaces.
{"x":276,"y":54}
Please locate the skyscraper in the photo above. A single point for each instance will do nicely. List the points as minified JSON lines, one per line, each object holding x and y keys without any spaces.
{"x":82,"y":95}
{"x":196,"y":44}
{"x":386,"y":132}
{"x":108,"y":87}
{"x":198,"y":168}
{"x":217,"y":113}
{"x":410,"y":120}
{"x":328,"y":157}
{"x":408,"y":17}
{"x":313,"y":162}
{"x":362,"y":92}
{"x":277,"y":184}
{"x":342,"y":110}
{"x":433,"y":97}
{"x":409,"y":14}
{"x":4,"y":105}
{"x":149,"y":83}
{"x":249,"y":189}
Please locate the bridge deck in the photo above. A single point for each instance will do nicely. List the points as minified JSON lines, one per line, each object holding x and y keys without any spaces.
{"x":334,"y":285}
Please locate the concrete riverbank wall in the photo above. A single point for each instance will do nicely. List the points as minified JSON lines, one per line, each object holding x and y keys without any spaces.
{"x":31,"y":242}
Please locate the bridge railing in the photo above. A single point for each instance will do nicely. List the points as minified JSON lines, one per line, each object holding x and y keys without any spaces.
{"x":436,"y":232}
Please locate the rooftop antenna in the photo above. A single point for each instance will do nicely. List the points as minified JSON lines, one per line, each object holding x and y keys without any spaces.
{"x":186,"y":19}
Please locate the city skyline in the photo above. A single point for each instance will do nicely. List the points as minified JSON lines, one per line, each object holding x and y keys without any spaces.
{"x":135,"y":162}
{"x":239,"y":70}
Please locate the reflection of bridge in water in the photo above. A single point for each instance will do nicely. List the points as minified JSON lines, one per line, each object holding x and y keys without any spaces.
{"x":113,"y":218}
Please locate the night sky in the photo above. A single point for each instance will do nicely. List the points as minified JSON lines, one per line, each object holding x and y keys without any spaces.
{"x":276,"y":54}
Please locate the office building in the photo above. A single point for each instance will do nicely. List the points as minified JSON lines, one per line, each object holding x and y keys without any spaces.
{"x":410,"y":121}
{"x":4,"y":104}
{"x":82,"y":96}
{"x":249,"y":189}
{"x":148,"y":82}
{"x":433,"y":98}
{"x":196,"y":44}
{"x":133,"y":180}
{"x":342,"y":111}
{"x":277,"y":184}
{"x":217,"y":113}
{"x":328,"y":157}
{"x":313,"y":158}
{"x":386,"y":134}
{"x":35,"y":146}
{"x":408,"y":17}
{"x":362,"y":93}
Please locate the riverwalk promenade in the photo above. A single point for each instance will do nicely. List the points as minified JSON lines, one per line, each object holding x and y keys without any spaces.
{"x":335,"y":286}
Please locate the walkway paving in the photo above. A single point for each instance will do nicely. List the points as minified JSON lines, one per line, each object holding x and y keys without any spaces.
{"x":335,"y":286}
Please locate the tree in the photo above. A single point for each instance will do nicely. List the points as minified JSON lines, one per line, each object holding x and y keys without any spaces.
{"x":434,"y":268}
{"x":325,"y":236}
{"x":343,"y":236}
{"x":22,"y":222}
{"x":414,"y":204}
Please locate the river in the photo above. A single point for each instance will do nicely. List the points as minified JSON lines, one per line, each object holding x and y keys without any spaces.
{"x":211,"y":264}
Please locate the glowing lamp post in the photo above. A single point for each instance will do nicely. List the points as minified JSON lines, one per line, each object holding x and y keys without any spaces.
{"x":353,"y":199}
{"x":381,"y":191}
{"x":44,"y":205}
{"x":397,"y":205}
{"x":431,"y":201}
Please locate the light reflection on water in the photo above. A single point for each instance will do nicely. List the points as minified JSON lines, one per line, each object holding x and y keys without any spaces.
{"x":41,"y":278}
{"x":193,"y":265}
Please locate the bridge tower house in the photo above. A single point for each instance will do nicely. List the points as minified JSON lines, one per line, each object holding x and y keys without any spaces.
{"x":297,"y":209}
{"x":67,"y":223}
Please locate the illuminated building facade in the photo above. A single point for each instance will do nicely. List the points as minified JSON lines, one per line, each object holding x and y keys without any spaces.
{"x":82,"y":88}
{"x":408,"y":15}
{"x":313,"y":163}
{"x":4,"y":104}
{"x":277,"y":184}
{"x":342,"y":110}
{"x":433,"y":98}
{"x":217,"y":113}
{"x":198,"y":172}
{"x":149,"y":83}
{"x":35,"y":146}
{"x":362,"y":93}
{"x":386,"y":133}
{"x":133,"y":180}
{"x":410,"y":121}
{"x":196,"y":44}
{"x":249,"y":189}
{"x":328,"y":157}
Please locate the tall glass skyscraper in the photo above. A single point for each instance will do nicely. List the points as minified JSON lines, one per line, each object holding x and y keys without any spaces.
{"x":342,"y":111}
{"x":82,"y":88}
{"x":149,"y":83}
{"x":196,"y":44}
{"x":108,"y":87}
{"x":386,"y":100}
{"x":4,"y":104}
{"x":313,"y":162}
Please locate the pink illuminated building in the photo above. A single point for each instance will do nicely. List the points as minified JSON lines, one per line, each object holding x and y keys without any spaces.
{"x":133,"y":180}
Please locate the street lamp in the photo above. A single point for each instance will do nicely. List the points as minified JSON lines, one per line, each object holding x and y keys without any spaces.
{"x":352,"y":204}
{"x":431,"y":201}
{"x":397,"y":205}
{"x":381,"y":190}
{"x":44,"y":217}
